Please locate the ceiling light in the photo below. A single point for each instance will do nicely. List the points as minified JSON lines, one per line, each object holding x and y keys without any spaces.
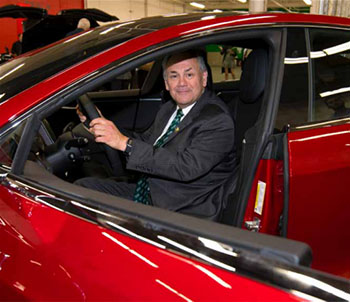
{"x":217,"y":11}
{"x":242,"y":1}
{"x":308,"y":2}
{"x":198,"y":5}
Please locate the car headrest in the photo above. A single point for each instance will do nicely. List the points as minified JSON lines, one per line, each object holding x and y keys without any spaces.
{"x":254,"y":71}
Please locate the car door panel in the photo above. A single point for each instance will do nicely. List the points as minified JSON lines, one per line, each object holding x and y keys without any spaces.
{"x":319,"y":169}
{"x":49,"y":248}
{"x":24,"y":256}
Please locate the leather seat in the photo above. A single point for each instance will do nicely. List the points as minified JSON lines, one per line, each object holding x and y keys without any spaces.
{"x":245,"y":108}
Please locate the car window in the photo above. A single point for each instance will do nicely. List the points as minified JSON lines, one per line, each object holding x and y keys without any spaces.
{"x":222,"y":56}
{"x":216,"y":60}
{"x":330,"y":55}
{"x":131,"y":79}
{"x":16,"y":75}
{"x":293,"y":107}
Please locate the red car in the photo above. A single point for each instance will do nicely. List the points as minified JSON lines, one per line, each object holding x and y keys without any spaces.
{"x":283,"y":233}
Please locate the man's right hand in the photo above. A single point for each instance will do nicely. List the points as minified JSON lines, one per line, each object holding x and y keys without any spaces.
{"x":106,"y":132}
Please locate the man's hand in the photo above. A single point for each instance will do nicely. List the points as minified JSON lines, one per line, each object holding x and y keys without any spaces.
{"x":106,"y":132}
{"x":81,"y":116}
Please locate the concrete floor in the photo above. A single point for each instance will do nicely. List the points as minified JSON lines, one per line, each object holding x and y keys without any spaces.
{"x":219,"y":77}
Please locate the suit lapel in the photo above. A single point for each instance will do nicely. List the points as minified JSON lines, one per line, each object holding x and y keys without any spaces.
{"x":164,"y":116}
{"x":195,"y":111}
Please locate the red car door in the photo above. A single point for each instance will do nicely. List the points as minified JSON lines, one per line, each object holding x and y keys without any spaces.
{"x":315,"y":99}
{"x":319,"y":204}
{"x":319,"y":158}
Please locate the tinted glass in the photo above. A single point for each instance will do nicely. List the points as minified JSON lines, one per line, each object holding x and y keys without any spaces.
{"x":132,"y":79}
{"x":9,"y":144}
{"x":330,"y":53}
{"x":226,"y":61}
{"x":293,"y":108}
{"x":17,"y":75}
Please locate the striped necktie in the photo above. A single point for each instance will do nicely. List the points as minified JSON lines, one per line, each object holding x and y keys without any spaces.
{"x":142,"y":190}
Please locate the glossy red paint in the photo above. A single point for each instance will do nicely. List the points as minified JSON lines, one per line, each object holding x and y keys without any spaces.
{"x":319,"y":167}
{"x":270,"y":173}
{"x":39,"y":92}
{"x":74,"y":260}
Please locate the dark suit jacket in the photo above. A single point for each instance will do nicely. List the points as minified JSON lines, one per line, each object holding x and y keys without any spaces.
{"x":74,"y":32}
{"x":187,"y":174}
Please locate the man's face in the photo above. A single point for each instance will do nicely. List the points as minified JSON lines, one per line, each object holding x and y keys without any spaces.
{"x":185,"y":81}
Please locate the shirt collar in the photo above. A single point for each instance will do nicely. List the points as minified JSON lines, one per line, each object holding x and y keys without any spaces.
{"x":187,"y":109}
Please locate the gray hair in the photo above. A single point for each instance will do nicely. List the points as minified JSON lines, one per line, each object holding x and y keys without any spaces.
{"x":184,"y":55}
{"x":84,"y":24}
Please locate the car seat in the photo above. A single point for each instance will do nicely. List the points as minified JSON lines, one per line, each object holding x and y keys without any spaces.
{"x":245,"y":109}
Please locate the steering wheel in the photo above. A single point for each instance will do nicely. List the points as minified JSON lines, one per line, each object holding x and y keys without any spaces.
{"x":88,"y":108}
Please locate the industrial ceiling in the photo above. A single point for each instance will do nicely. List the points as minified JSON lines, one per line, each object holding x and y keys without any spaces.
{"x":285,"y":5}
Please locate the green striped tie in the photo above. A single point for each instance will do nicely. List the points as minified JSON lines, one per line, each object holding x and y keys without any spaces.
{"x":142,"y":190}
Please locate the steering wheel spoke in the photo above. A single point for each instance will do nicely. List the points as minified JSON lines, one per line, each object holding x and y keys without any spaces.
{"x":88,"y":108}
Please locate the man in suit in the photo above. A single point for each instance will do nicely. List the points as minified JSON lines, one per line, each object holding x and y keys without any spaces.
{"x":187,"y":156}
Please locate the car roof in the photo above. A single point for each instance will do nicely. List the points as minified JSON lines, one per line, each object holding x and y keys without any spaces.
{"x":164,"y":21}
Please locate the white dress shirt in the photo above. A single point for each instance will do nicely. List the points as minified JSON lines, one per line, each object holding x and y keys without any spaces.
{"x":185,"y":111}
